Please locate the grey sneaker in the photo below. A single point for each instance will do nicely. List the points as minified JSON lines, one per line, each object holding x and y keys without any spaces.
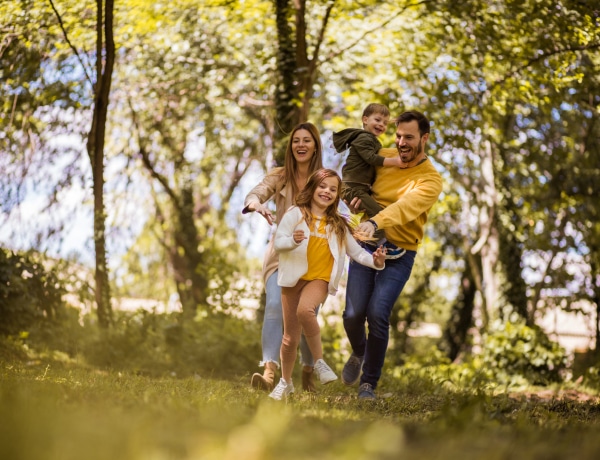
{"x":352,"y":368}
{"x":365,"y":391}
{"x":283,"y":389}
{"x":323,"y":372}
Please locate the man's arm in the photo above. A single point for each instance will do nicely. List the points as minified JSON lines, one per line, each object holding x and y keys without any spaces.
{"x":414,"y":203}
{"x":407,"y":208}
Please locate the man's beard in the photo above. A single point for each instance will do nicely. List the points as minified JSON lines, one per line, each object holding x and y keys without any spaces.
{"x":415,"y":152}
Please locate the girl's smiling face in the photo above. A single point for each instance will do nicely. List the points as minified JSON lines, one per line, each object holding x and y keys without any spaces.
{"x":325,"y":194}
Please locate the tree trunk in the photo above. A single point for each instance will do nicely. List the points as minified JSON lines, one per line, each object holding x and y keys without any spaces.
{"x":296,"y":70}
{"x":488,"y":245}
{"x":95,"y":149}
{"x":461,"y":316}
{"x":286,"y":93}
{"x":186,"y":260}
{"x":515,"y":288}
{"x":595,"y":275}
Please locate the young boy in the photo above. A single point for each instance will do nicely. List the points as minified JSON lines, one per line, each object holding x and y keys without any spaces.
{"x":358,"y":173}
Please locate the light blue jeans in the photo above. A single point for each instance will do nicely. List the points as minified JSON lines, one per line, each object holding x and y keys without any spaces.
{"x":272,"y":330}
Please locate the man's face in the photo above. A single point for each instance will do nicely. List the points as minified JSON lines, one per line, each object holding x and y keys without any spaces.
{"x":409,"y":141}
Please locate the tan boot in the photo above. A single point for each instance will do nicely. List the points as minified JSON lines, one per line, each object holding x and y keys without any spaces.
{"x":308,"y":384}
{"x":265,"y":381}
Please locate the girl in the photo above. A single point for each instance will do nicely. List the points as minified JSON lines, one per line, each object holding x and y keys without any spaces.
{"x":312,"y":240}
{"x":303,"y":156}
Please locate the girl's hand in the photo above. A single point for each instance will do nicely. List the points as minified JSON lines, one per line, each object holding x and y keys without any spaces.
{"x":379,"y":257}
{"x":263,"y":211}
{"x":298,"y":236}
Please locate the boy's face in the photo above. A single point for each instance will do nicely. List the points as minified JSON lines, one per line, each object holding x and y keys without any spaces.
{"x":376,"y":123}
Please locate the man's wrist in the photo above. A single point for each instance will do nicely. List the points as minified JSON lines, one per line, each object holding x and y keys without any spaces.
{"x":375,"y":226}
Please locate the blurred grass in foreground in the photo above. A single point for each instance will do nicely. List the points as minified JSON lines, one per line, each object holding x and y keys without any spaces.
{"x":66,"y":411}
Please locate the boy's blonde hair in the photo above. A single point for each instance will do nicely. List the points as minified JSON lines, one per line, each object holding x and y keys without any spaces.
{"x":376,"y":108}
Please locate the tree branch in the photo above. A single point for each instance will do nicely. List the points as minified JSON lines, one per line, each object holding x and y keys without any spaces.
{"x":146,"y":159}
{"x":374,"y":29}
{"x":62,"y":27}
{"x":536,"y":59}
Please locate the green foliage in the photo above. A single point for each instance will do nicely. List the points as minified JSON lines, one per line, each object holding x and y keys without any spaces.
{"x":217,"y":345}
{"x":434,"y":367}
{"x":513,"y":355}
{"x":513,"y":350}
{"x":156,"y":344}
{"x":30,"y":293}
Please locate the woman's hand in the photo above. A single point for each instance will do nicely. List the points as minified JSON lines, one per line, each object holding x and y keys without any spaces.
{"x":263,"y":211}
{"x":298,"y":236}
{"x":379,"y":257}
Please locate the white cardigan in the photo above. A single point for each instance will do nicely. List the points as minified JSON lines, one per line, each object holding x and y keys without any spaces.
{"x":293,"y":263}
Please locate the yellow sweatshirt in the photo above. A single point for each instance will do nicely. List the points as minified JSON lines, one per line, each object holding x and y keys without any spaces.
{"x":407,"y":195}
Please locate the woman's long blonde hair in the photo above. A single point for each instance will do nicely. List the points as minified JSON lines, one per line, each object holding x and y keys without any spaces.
{"x":338,"y":223}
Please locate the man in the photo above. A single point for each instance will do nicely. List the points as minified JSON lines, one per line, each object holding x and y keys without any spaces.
{"x":407,"y":193}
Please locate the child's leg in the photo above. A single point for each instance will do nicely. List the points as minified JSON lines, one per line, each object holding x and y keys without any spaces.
{"x":353,"y":190}
{"x":290,"y":297}
{"x":313,"y":294}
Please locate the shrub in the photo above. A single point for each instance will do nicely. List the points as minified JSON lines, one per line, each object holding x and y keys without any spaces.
{"x":514,"y":349}
{"x":149,"y":343}
{"x":30,"y":293}
{"x":218,"y":344}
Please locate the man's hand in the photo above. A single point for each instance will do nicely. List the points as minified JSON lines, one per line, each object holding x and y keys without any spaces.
{"x":366,"y":229}
{"x":354,"y":205}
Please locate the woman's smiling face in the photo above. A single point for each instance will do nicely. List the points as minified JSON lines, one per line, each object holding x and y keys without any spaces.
{"x":303,"y":146}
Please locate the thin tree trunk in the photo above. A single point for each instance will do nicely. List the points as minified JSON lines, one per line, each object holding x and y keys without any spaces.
{"x":461,"y":316}
{"x":95,"y":148}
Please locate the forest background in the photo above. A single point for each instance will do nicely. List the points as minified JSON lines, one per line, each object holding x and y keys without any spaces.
{"x":131,"y":131}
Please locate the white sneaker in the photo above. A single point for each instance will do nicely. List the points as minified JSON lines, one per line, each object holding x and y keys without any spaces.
{"x":283,"y":389}
{"x":324,"y":372}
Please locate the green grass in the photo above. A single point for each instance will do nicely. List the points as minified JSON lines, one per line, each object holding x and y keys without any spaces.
{"x":57,"y":410}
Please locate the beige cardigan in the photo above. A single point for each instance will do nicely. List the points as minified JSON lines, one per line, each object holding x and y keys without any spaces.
{"x":272,"y":186}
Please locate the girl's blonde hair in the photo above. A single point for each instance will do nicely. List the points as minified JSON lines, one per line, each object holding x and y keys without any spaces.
{"x":338,"y":223}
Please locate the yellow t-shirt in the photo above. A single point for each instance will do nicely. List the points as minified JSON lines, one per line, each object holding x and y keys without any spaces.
{"x":320,"y":259}
{"x":407,"y":196}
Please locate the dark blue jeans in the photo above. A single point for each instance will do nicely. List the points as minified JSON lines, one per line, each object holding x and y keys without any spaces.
{"x":370,"y":297}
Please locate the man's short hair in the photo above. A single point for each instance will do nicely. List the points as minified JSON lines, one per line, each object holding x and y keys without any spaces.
{"x":413,"y":115}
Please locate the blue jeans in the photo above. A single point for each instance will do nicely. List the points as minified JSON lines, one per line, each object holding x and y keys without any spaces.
{"x":272,"y":330}
{"x":370,"y":296}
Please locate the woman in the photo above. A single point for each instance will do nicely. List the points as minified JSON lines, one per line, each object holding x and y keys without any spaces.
{"x":303,"y":156}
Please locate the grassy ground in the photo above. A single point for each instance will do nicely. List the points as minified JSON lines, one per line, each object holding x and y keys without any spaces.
{"x":67,"y":411}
